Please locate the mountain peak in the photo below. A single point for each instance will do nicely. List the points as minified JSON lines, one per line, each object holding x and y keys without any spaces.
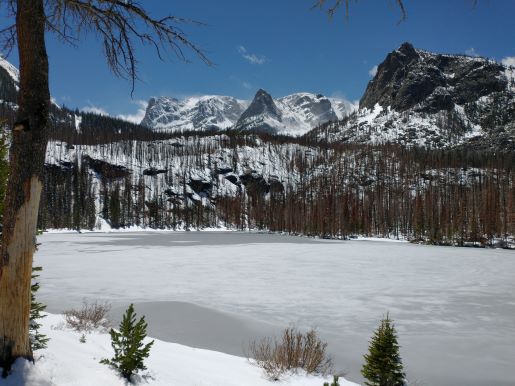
{"x":261,"y":115}
{"x":407,"y":49}
{"x":409,"y":77}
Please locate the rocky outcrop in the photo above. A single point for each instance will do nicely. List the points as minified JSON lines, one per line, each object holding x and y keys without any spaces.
{"x":261,"y":116}
{"x":433,"y":100}
{"x":105,"y":169}
{"x":410,"y":78}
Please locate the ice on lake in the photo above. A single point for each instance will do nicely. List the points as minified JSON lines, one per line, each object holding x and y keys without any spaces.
{"x":454,"y":308}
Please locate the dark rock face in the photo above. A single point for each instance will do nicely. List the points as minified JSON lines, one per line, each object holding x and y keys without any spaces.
{"x":153,"y":171}
{"x":232,"y":179}
{"x":255,"y":183}
{"x":200,"y":186}
{"x":105,"y":169}
{"x":261,"y":108}
{"x":411,"y":78}
{"x":223,"y":170}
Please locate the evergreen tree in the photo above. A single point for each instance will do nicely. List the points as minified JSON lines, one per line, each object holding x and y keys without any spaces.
{"x":38,"y":341}
{"x":383,"y":364}
{"x":129,"y":350}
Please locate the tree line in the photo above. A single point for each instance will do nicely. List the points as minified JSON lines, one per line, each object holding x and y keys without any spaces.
{"x":326,"y":190}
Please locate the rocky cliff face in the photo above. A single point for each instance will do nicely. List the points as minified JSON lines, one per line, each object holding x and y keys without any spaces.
{"x":434,"y":100}
{"x":262,"y":115}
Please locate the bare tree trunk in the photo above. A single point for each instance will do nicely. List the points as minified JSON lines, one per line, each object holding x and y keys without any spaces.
{"x":26,"y":161}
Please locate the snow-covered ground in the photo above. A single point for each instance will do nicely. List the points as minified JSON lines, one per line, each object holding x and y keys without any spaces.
{"x":68,"y":362}
{"x":454,"y":307}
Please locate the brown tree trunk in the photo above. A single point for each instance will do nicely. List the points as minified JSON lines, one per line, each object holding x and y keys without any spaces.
{"x":26,"y":159}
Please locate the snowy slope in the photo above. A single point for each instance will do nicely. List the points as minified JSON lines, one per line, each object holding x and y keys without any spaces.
{"x":13,"y":72}
{"x":68,"y":362}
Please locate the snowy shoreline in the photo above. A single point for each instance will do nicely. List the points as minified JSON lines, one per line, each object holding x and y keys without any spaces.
{"x":68,"y":362}
{"x":105,"y":228}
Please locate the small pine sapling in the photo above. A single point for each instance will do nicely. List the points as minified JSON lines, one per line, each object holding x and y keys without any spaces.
{"x":82,"y":338}
{"x":129,"y":349}
{"x":383,"y":364}
{"x":38,"y":341}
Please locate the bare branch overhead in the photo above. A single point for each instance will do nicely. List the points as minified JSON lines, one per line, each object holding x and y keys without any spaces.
{"x":334,"y":5}
{"x":121,"y":24}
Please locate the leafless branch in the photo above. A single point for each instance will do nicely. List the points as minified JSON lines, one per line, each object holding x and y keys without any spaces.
{"x":337,"y":4}
{"x":8,"y":34}
{"x":120,"y":24}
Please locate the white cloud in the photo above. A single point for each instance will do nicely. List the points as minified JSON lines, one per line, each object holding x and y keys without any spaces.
{"x":509,"y":61}
{"x":94,"y":110}
{"x":247,"y":85}
{"x":252,"y":58}
{"x":471,"y":52}
{"x":373,"y":71}
{"x":138,"y":116}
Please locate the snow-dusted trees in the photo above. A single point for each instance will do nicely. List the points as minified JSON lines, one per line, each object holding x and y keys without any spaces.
{"x":439,"y":197}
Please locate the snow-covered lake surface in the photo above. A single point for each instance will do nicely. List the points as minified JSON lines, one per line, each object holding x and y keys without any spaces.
{"x":454,"y":308}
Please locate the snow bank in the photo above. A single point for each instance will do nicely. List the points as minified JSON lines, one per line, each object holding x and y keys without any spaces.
{"x":66,"y":361}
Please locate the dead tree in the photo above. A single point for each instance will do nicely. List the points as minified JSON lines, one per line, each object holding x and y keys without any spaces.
{"x":121,"y":25}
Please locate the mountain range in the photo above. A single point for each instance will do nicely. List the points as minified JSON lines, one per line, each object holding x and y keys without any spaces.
{"x":294,"y":114}
{"x":416,"y":98}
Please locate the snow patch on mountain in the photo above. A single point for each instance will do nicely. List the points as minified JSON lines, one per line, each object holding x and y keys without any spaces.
{"x":13,"y":72}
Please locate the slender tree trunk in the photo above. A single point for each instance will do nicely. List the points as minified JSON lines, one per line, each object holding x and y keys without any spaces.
{"x":29,"y":140}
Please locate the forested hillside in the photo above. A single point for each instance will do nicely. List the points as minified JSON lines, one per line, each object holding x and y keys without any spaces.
{"x":102,"y":170}
{"x":280,"y":184}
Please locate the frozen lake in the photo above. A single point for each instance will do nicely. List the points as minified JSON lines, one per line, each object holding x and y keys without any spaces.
{"x":454,"y":308}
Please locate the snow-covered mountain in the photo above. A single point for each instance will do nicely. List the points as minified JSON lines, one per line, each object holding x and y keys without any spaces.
{"x":209,"y":112}
{"x":294,"y":114}
{"x":434,"y":100}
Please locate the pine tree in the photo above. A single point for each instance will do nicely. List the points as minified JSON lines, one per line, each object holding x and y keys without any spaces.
{"x":129,"y":350}
{"x":38,"y":341}
{"x":383,"y":364}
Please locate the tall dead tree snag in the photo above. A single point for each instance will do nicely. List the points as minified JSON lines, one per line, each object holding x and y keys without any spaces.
{"x":119,"y":25}
{"x":27,"y":154}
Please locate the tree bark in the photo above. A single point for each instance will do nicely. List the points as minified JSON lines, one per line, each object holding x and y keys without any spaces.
{"x":26,"y":159}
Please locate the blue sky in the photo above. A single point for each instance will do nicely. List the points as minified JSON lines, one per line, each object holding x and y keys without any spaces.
{"x":283,"y":46}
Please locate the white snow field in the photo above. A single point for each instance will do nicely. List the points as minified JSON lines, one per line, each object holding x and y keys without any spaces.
{"x":454,"y":308}
{"x":66,"y":361}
